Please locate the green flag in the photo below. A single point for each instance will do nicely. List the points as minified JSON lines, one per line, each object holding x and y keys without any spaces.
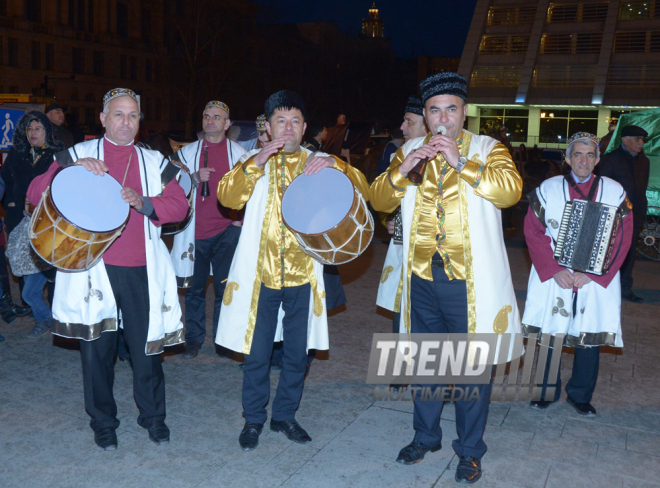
{"x":649,"y":120}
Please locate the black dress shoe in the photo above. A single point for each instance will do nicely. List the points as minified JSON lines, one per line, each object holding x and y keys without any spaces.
{"x":415,"y":452}
{"x":159,"y":433}
{"x":292,"y":430}
{"x":631,"y":297}
{"x":106,"y":438}
{"x":541,"y":404}
{"x":21,"y":311}
{"x":192,"y":349}
{"x":581,"y":408}
{"x":249,"y":438}
{"x":468,"y":470}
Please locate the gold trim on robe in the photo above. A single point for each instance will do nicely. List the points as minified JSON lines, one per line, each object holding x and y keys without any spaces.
{"x":256,"y":289}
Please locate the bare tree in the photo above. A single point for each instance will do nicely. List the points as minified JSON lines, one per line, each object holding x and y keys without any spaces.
{"x":212,"y":38}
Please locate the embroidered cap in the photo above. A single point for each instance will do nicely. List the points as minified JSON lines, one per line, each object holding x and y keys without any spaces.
{"x":414,"y":106}
{"x":446,"y":83}
{"x":119,"y":92}
{"x":261,"y":123}
{"x":582,"y":137}
{"x":218,"y":104}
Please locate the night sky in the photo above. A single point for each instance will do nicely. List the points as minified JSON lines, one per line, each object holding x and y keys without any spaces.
{"x":416,"y":27}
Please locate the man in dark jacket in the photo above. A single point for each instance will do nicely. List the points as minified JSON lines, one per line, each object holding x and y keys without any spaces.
{"x":630,"y":167}
{"x":56,"y":116}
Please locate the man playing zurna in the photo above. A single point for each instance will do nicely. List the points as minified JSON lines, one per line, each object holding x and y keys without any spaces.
{"x":135,"y":275}
{"x":212,"y":234}
{"x":584,"y":308}
{"x":459,"y":281}
{"x":274,"y":288}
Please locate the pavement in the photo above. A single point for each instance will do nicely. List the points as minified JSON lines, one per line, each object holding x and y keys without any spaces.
{"x":45,"y":439}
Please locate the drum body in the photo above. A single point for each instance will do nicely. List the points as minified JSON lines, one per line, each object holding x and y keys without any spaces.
{"x":80,"y":214}
{"x":185,"y":181}
{"x":328,"y":216}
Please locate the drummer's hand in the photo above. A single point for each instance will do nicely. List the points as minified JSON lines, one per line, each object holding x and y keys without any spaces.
{"x":267,"y":151}
{"x":96,"y":166}
{"x":318,"y":163}
{"x":204,"y":174}
{"x":414,"y":156}
{"x":132,"y":198}
{"x":390,"y":226}
{"x":565,"y":279}
{"x":580,"y":279}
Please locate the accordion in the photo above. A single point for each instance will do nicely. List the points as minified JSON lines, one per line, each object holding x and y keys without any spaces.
{"x":586,"y":236}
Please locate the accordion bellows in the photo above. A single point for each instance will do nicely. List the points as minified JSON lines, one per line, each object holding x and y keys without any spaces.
{"x":586,"y":236}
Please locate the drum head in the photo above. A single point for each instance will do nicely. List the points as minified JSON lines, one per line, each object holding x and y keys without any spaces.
{"x":185,"y":182}
{"x":313,"y":204}
{"x":90,"y":202}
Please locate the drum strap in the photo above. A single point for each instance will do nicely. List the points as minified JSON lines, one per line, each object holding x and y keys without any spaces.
{"x":64,"y":158}
{"x":168,"y":174}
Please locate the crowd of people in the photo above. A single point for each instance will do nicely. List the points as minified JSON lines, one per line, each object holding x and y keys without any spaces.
{"x":447,"y":272}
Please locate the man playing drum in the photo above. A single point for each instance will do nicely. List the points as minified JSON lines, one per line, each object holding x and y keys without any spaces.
{"x":135,"y":275}
{"x":452,"y":237}
{"x":210,"y":239}
{"x":288,"y":293}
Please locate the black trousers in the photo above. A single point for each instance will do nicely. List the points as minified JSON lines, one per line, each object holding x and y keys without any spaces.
{"x":440,"y":306}
{"x":582,"y":384}
{"x":256,"y":374}
{"x":629,"y":263}
{"x":217,"y":251}
{"x":131,"y":292}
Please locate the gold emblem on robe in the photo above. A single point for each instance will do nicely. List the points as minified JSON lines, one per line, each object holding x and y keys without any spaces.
{"x":318,"y":304}
{"x":558,"y":309}
{"x":188,"y":254}
{"x":92,"y":292}
{"x":228,"y":296}
{"x":165,"y":308}
{"x":553,"y":223}
{"x":501,"y":323}
{"x":386,"y":273}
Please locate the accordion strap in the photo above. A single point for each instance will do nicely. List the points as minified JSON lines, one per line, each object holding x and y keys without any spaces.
{"x":592,"y":191}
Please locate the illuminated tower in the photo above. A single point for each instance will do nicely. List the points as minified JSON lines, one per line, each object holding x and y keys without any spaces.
{"x":373,"y":25}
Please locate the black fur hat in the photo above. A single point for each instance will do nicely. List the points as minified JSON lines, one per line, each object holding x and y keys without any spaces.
{"x":20,"y":139}
{"x":284,"y":99}
{"x":414,"y":106}
{"x":445,"y":83}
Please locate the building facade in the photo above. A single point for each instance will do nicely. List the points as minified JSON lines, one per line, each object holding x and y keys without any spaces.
{"x":547,"y":69}
{"x":76,"y":50}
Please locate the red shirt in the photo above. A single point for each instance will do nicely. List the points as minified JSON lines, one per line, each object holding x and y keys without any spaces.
{"x":212,"y":218}
{"x":542,"y":254}
{"x":129,"y":248}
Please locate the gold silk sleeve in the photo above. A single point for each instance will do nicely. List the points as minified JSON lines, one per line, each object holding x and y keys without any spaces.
{"x":236,"y":187}
{"x":355,"y":175}
{"x":497,"y":180}
{"x":389,"y":188}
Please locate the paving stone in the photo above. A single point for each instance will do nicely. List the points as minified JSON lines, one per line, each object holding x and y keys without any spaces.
{"x":45,"y":438}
